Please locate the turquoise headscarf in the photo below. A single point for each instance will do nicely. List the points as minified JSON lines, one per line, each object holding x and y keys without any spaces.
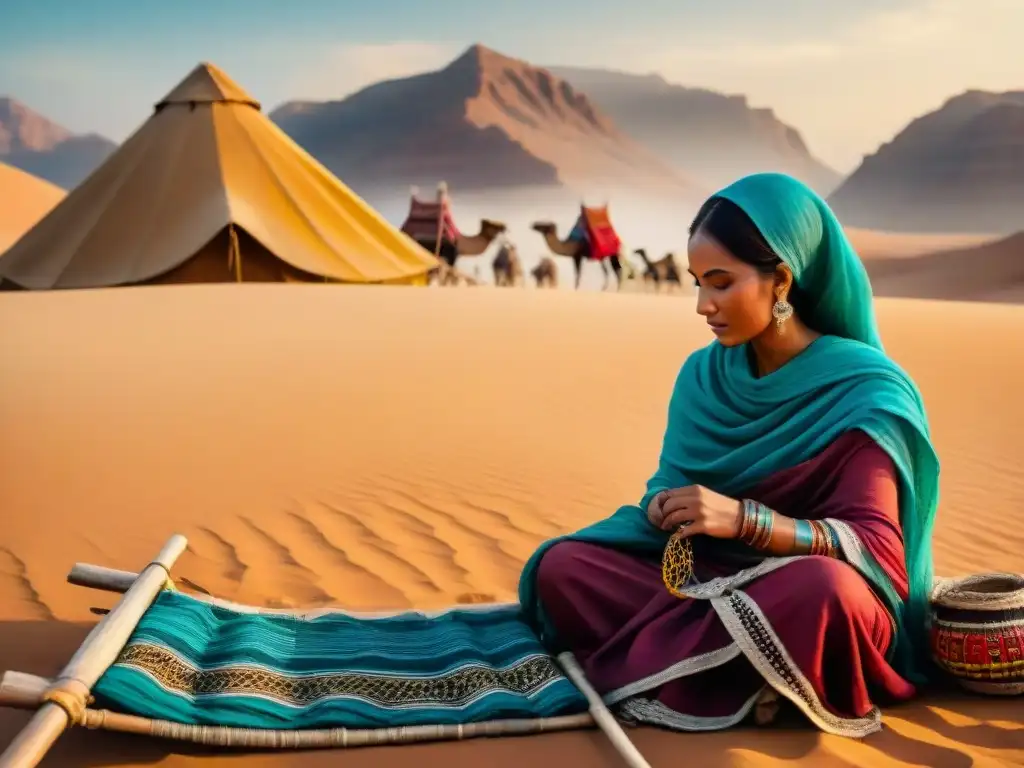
{"x":728,"y":429}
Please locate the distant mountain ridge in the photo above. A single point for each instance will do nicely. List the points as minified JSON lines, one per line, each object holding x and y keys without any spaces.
{"x":491,"y":121}
{"x":958,"y":168}
{"x":484,"y":121}
{"x":45,"y":149}
{"x":714,"y":137}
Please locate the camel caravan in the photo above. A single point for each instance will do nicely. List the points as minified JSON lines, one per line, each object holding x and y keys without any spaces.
{"x":592,"y":239}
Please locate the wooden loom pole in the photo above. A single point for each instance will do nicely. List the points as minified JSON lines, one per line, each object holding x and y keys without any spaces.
{"x":604,"y":719}
{"x":98,"y":577}
{"x":67,"y":697}
{"x":22,"y":691}
{"x":26,"y":692}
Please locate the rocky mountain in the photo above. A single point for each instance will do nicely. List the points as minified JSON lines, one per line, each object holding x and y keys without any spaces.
{"x":959,"y":168}
{"x":41,"y":147}
{"x":483,"y":121}
{"x":715,"y":137}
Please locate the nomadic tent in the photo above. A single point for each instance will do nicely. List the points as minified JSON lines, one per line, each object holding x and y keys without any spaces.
{"x":594,"y":229}
{"x":208,"y":189}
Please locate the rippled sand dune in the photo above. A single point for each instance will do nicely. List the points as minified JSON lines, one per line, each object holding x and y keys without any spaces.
{"x":394,"y":447}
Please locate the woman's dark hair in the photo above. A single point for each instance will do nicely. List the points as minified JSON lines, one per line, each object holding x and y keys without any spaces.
{"x":735,"y":231}
{"x":730,"y":226}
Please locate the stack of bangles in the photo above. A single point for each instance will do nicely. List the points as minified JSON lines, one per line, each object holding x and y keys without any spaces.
{"x":813,"y":537}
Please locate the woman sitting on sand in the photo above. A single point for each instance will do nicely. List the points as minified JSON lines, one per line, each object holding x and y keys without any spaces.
{"x":797,"y":465}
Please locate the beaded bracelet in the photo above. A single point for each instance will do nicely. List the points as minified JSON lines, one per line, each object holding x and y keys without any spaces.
{"x":757,"y":524}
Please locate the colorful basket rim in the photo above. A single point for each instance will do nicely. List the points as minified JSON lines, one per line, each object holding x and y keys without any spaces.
{"x":996,"y":591}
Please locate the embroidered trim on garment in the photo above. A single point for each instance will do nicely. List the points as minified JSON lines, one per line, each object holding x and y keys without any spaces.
{"x":704,"y":661}
{"x":654,"y":712}
{"x":719,"y":586}
{"x":684,"y":668}
{"x":755,"y":637}
{"x":855,"y":554}
{"x":849,"y":544}
{"x":456,"y":688}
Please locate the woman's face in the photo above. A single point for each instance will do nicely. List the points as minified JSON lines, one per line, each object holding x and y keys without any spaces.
{"x":734,"y":298}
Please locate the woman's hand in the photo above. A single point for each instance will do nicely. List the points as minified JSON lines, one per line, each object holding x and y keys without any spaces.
{"x":655,"y":513}
{"x":697,"y":509}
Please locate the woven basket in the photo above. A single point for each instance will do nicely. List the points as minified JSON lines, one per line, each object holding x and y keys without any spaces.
{"x":977,"y":633}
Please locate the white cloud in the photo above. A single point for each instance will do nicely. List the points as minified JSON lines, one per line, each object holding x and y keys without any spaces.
{"x":341,"y":70}
{"x":929,"y":25}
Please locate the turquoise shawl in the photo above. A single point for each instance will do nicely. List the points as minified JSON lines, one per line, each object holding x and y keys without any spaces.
{"x":728,"y":430}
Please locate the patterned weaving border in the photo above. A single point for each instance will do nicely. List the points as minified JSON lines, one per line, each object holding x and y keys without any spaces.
{"x":456,"y":688}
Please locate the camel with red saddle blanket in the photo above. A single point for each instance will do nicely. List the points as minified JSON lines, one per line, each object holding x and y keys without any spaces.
{"x":592,"y":238}
{"x":431,"y":224}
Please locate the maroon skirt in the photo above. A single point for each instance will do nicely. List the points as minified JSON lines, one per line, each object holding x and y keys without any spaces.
{"x":809,"y":629}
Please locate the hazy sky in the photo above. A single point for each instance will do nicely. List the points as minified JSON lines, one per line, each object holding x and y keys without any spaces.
{"x":847,"y":74}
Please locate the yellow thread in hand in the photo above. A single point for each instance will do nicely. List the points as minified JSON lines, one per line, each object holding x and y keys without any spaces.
{"x":677,"y":563}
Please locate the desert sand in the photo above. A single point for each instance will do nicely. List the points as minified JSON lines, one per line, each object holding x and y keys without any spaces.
{"x":379,"y":447}
{"x":874,"y":244}
{"x":26,"y":199}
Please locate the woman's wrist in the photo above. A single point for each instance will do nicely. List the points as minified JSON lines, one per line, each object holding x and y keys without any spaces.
{"x":764,"y":529}
{"x":816,"y":538}
{"x":757,"y":524}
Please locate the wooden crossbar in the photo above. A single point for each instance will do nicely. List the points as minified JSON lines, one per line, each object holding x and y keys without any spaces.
{"x":65,"y":700}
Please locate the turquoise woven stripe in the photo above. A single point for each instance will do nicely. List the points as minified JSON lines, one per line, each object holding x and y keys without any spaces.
{"x":197,"y":661}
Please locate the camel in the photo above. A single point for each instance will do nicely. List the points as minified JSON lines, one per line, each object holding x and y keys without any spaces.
{"x":428,"y":221}
{"x":664,"y":271}
{"x":579,"y":251}
{"x":464,"y":245}
{"x":546,"y":273}
{"x":508,"y":269}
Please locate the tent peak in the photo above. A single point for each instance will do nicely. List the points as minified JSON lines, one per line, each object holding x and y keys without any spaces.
{"x":207,"y":84}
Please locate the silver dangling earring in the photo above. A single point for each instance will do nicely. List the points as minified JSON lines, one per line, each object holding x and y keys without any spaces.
{"x":781,"y":311}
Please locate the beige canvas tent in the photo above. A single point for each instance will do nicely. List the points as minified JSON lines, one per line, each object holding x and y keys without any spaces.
{"x":24,"y":199}
{"x":208,"y":189}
